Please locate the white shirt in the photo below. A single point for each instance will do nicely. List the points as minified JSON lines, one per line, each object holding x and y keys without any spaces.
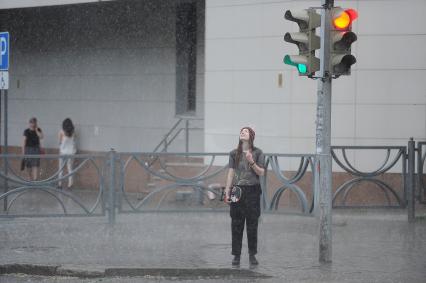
{"x":67,"y":145}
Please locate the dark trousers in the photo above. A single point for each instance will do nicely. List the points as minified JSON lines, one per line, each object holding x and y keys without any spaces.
{"x":247,"y":211}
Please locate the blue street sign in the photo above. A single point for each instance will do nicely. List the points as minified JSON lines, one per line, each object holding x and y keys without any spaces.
{"x":4,"y":51}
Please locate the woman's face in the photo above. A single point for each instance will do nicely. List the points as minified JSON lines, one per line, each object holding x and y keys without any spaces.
{"x":244,"y":134}
{"x":33,"y":125}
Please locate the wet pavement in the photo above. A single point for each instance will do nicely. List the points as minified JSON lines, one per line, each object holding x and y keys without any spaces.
{"x":368,"y":246}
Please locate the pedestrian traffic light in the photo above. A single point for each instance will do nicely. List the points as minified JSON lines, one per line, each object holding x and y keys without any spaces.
{"x":342,"y":38}
{"x":306,"y":40}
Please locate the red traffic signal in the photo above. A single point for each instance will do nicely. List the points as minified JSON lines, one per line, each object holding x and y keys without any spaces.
{"x":342,"y":19}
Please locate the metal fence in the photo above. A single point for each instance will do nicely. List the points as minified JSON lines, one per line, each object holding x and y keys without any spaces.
{"x":193,"y":181}
{"x":44,"y":197}
{"x":394,"y":189}
{"x":133,"y":182}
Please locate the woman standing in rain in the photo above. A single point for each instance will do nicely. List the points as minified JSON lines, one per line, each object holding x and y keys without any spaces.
{"x":67,"y":146}
{"x":31,"y":146}
{"x":242,"y":192}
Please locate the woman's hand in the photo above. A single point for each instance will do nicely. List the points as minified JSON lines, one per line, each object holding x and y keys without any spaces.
{"x":226,"y":196}
{"x":39,"y":132}
{"x":249,"y":157}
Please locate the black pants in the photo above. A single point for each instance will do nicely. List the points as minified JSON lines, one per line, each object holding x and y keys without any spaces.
{"x":247,"y":210}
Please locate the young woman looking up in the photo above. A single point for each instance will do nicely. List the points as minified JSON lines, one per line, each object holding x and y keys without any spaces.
{"x":246,"y":164}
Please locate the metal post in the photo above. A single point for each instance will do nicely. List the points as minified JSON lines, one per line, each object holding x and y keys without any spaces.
{"x":404,"y":179}
{"x":5,"y":149}
{"x":411,"y":180}
{"x":111,"y":198}
{"x":2,"y":151}
{"x":323,"y":138}
{"x":420,"y":173}
{"x":187,"y":136}
{"x":316,"y":186}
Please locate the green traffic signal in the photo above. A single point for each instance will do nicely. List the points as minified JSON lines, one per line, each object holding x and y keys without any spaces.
{"x":302,"y":68}
{"x":288,"y":61}
{"x":305,"y":39}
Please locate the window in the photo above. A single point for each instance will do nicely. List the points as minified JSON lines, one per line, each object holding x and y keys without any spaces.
{"x":186,"y":58}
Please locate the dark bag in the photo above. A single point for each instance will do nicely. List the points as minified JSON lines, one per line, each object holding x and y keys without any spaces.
{"x":23,"y":164}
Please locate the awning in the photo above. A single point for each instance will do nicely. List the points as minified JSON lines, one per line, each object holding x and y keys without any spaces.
{"x":11,"y":4}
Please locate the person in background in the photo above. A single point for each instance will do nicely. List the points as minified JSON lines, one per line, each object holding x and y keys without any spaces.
{"x":67,"y":146}
{"x":31,"y":146}
{"x":246,"y":164}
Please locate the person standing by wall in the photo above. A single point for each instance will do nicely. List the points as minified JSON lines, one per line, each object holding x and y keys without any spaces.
{"x":246,"y":164}
{"x":31,"y":146}
{"x":67,"y":146}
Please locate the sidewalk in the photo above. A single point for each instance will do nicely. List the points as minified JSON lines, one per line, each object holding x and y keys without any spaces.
{"x":377,"y":246}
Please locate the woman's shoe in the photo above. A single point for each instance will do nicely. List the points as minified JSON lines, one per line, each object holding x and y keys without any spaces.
{"x":253,"y":260}
{"x":236,"y":260}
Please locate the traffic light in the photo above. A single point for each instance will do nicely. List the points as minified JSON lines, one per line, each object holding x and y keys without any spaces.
{"x":306,"y":40}
{"x":342,"y":38}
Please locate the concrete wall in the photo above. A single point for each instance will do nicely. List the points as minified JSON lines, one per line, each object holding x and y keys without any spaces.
{"x":108,"y":66}
{"x":383,"y":102}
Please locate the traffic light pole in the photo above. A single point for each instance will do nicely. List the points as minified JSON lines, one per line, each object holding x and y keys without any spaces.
{"x":323,"y":137}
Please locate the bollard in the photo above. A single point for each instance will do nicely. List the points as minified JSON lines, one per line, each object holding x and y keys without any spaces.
{"x":411,"y":180}
{"x":111,"y":197}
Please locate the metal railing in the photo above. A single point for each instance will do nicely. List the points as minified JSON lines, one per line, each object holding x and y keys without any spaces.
{"x":134,"y":182}
{"x":291,"y":182}
{"x":175,"y":131}
{"x":396,"y":197}
{"x":192,"y":181}
{"x":17,"y":185}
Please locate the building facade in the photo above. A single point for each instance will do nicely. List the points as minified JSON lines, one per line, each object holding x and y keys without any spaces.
{"x":114,"y":68}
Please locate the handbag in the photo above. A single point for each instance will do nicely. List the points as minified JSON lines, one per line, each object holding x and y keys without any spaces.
{"x":236,"y":194}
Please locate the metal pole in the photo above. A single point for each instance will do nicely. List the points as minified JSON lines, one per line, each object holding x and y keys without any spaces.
{"x":5,"y":151}
{"x":404,"y":179}
{"x":187,"y":135}
{"x":111,"y":198}
{"x":2,"y":151}
{"x":411,"y":180}
{"x":316,"y":186}
{"x":420,"y":173}
{"x":323,"y":137}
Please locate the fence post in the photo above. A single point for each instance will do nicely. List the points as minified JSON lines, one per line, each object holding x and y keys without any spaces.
{"x":187,"y":136}
{"x":420,"y":183}
{"x":111,"y":197}
{"x":316,"y":186}
{"x":411,"y":180}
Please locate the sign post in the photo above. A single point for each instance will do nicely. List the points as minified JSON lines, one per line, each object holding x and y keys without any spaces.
{"x":4,"y":86}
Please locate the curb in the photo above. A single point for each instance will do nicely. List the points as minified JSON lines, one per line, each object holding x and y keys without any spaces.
{"x":101,"y":272}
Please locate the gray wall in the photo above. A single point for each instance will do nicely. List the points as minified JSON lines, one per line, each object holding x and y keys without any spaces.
{"x":109,"y":66}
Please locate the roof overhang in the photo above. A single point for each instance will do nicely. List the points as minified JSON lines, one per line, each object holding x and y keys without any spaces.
{"x":13,"y":4}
